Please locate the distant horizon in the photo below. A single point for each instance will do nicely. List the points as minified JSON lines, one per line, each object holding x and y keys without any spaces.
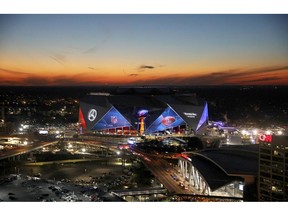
{"x":142,"y":86}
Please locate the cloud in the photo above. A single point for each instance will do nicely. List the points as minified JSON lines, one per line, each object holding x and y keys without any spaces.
{"x":15,"y":78}
{"x":144,"y":67}
{"x":268,"y":69}
{"x":218,"y":73}
{"x":224,"y":73}
{"x":238,"y":75}
{"x":257,"y":71}
{"x":264,"y":75}
{"x":7,"y":82}
{"x":14,"y":72}
{"x":90,"y":50}
{"x":57,"y":81}
{"x":59,"y":58}
{"x":104,"y":36}
{"x":91,"y":68}
{"x":228,"y":77}
{"x":263,"y":79}
{"x":36,"y":81}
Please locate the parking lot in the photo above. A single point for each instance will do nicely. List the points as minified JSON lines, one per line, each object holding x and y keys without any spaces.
{"x":33,"y":189}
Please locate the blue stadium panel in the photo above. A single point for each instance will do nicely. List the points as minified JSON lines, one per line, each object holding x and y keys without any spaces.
{"x":112,"y":119}
{"x":168,"y":119}
{"x":204,"y":117}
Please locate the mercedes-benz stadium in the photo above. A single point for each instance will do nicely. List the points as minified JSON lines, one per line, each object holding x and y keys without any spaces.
{"x":142,"y":113}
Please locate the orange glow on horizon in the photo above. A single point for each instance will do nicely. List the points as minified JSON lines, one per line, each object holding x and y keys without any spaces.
{"x":134,"y":76}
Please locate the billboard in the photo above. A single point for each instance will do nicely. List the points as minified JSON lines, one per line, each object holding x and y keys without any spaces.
{"x":90,"y":114}
{"x":168,"y":119}
{"x":112,"y":119}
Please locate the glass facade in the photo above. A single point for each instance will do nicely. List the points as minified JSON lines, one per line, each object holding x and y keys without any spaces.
{"x":273,"y":172}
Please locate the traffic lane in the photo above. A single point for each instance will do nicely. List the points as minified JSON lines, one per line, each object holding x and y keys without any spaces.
{"x":168,"y":170}
{"x":159,"y":168}
{"x":24,"y":149}
{"x":172,"y":171}
{"x":166,"y":180}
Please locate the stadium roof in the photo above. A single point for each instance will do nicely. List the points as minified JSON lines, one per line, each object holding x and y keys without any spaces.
{"x":215,"y":177}
{"x":183,"y":109}
{"x":242,"y":160}
{"x":221,"y":166}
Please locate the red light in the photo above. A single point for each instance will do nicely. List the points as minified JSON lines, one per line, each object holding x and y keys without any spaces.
{"x":123,"y":146}
{"x":265,"y":138}
{"x":81,"y":119}
{"x":186,"y":157}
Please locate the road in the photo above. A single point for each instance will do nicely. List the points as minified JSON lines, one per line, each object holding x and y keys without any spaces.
{"x":163,"y":171}
{"x":159,"y":167}
{"x":38,"y":145}
{"x":24,"y":149}
{"x":62,"y":161}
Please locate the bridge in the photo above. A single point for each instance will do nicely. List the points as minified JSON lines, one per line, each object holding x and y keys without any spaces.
{"x":13,"y":153}
{"x":20,"y":150}
{"x":41,"y":163}
{"x":140,"y":191}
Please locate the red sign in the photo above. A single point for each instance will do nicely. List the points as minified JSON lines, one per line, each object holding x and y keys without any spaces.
{"x":265,"y":138}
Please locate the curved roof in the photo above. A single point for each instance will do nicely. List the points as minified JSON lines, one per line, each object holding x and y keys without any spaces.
{"x":215,"y":177}
{"x":223,"y":165}
{"x":235,"y":161}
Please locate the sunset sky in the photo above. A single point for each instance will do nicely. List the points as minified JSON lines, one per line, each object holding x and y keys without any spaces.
{"x":179,"y":49}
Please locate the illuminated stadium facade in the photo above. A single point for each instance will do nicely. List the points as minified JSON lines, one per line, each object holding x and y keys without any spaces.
{"x":142,"y":112}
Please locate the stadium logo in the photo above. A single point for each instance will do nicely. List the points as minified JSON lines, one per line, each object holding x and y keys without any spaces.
{"x":114,"y":119}
{"x":265,"y":138}
{"x":92,"y":115}
{"x":168,"y":120}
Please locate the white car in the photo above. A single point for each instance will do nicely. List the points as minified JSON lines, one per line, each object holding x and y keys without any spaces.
{"x":131,"y":140}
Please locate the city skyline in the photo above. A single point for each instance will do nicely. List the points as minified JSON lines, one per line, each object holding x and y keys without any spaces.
{"x":150,"y":49}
